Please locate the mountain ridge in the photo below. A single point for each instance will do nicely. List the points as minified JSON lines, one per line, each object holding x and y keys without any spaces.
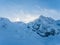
{"x":43,"y":30}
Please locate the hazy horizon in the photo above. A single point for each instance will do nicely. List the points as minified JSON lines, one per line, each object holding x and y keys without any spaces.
{"x":29,"y":10}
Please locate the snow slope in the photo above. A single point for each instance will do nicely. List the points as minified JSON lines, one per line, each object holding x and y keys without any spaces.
{"x":42,"y":31}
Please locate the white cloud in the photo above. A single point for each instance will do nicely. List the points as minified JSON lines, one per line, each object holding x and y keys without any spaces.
{"x":47,"y":12}
{"x":19,"y":14}
{"x":26,"y":16}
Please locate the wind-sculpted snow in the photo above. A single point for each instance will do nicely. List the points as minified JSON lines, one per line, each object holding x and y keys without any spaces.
{"x":42,"y":31}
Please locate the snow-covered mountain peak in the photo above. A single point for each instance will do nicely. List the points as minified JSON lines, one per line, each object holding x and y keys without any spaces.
{"x":44,"y":25}
{"x":3,"y":19}
{"x":45,"y":20}
{"x":42,"y":17}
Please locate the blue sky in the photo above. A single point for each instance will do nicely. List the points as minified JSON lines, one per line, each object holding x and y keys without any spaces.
{"x":17,"y":10}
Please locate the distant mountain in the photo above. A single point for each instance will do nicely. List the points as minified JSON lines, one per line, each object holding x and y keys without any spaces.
{"x":42,"y":31}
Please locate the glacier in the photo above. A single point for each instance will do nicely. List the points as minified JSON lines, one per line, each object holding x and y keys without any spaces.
{"x":42,"y":31}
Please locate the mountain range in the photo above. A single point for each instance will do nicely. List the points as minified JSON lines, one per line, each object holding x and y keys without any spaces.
{"x":42,"y":31}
